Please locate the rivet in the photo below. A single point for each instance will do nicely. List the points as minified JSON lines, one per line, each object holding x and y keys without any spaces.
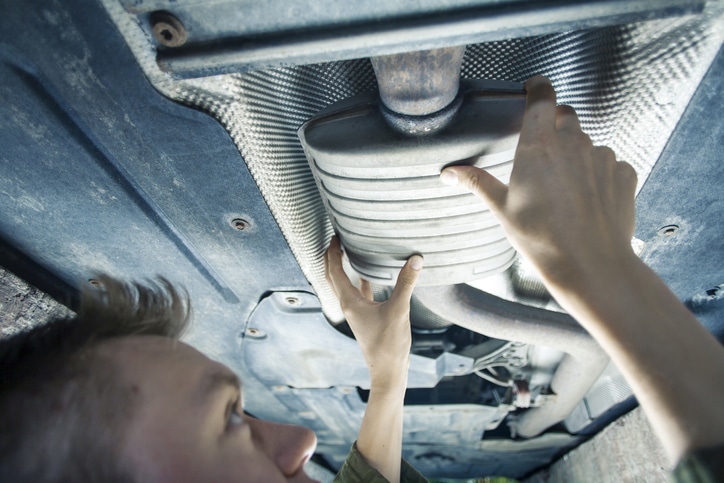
{"x":292,"y":300}
{"x":668,"y":230}
{"x":167,"y":29}
{"x":95,"y":282}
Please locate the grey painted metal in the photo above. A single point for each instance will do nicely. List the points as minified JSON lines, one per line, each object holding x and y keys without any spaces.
{"x":233,"y":36}
{"x":494,"y":317}
{"x":437,"y":449}
{"x":384,"y":196}
{"x":316,"y":355}
{"x":314,"y":371}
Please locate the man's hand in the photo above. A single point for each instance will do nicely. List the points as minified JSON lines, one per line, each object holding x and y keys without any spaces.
{"x":383,"y":333}
{"x":570,"y":204}
{"x":569,"y":208}
{"x":381,"y":329}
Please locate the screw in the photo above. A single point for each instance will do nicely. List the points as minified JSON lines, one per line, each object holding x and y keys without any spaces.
{"x":167,"y":29}
{"x":292,"y":300}
{"x":240,"y":224}
{"x":668,"y":230}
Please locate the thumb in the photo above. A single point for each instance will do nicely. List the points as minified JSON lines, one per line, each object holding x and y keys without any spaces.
{"x":477,"y":181}
{"x":407,"y":279}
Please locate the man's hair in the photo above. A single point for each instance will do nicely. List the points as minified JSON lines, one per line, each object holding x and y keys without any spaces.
{"x":62,"y":405}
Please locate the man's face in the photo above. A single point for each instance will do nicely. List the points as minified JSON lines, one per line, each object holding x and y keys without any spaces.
{"x":187,"y":423}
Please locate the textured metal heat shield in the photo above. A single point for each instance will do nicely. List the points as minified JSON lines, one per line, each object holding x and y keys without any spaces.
{"x":629,"y":84}
{"x":383,"y":193}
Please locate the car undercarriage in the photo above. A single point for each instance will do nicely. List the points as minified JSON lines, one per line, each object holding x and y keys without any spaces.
{"x":222,"y":144}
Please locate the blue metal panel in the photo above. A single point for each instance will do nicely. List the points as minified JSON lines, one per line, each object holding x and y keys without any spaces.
{"x":680,"y":210}
{"x":99,"y":172}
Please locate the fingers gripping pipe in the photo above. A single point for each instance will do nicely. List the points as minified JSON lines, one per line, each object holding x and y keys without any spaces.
{"x":500,"y":319}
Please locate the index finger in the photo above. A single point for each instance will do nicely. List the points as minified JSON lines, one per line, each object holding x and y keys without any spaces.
{"x":336,"y":275}
{"x":539,"y":120}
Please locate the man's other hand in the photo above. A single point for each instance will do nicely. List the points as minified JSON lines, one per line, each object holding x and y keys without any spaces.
{"x":569,"y":205}
{"x":382,"y":329}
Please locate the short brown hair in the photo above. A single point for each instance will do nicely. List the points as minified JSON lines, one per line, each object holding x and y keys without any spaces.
{"x":61,"y":403}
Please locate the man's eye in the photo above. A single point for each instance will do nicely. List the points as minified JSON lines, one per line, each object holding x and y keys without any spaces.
{"x":234,"y":418}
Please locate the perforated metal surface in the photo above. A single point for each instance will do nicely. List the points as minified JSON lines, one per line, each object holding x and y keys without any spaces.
{"x":629,"y":84}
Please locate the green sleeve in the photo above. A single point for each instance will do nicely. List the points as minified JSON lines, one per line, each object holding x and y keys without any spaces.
{"x":701,"y":466}
{"x":357,"y":470}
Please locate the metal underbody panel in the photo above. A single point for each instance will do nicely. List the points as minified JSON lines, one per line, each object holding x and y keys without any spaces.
{"x":121,"y":156}
{"x":231,"y":36}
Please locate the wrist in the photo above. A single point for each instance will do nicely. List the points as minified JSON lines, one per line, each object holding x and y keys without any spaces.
{"x":585,"y":277}
{"x":389,"y":379}
{"x":608,"y":285}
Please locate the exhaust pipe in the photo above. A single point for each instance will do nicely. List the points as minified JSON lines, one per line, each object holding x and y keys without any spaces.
{"x":500,"y":319}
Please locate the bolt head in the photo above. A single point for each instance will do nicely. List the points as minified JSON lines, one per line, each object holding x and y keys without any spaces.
{"x":292,"y":300}
{"x":240,"y":224}
{"x":167,"y":29}
{"x":254,"y":333}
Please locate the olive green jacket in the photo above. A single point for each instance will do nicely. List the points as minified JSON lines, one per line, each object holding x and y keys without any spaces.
{"x":703,"y":466}
{"x":357,"y":470}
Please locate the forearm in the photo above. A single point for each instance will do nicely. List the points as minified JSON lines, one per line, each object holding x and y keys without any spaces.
{"x":569,"y":208}
{"x":646,"y":330}
{"x":380,"y":436}
{"x":382,"y":330}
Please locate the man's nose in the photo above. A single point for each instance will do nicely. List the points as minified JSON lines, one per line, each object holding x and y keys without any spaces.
{"x":288,"y":446}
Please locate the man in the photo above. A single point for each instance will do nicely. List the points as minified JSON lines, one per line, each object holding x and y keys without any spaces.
{"x":113,"y":395}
